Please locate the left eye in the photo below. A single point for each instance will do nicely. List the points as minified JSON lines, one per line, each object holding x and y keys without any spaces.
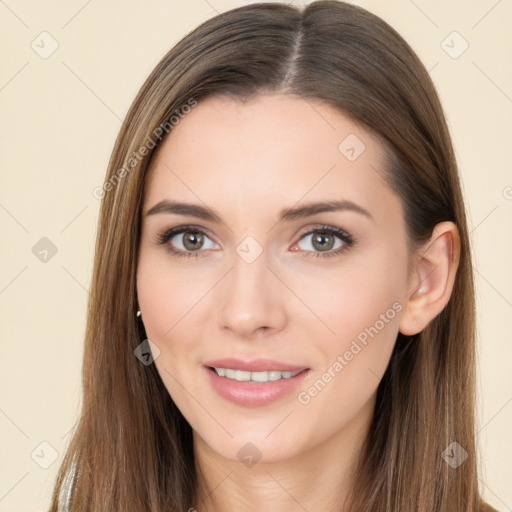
{"x":322,"y":240}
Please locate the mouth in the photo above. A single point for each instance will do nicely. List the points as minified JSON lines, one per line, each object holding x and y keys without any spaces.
{"x":254,"y":383}
{"x":258,"y":376}
{"x":256,"y":370}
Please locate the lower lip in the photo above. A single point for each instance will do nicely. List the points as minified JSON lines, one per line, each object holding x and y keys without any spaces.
{"x":254,"y":394}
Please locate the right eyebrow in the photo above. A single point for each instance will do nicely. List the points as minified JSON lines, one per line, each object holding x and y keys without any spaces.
{"x":179,"y":208}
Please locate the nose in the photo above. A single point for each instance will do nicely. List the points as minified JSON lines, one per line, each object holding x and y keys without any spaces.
{"x":251,"y":299}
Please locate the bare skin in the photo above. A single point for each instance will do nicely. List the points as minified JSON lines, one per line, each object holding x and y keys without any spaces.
{"x":293,"y":303}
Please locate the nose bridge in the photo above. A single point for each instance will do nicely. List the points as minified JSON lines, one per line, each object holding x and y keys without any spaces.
{"x":251,"y":296}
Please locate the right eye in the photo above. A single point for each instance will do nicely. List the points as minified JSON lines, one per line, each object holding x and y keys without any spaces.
{"x":185,"y":241}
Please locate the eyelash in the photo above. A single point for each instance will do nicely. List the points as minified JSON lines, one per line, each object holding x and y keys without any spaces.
{"x":346,"y":238}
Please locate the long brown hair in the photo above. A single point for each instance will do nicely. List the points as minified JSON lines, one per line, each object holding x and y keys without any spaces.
{"x":132,"y":449}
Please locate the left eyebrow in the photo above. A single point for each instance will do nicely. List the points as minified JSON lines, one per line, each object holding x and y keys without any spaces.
{"x":290,"y":214}
{"x":285,"y":215}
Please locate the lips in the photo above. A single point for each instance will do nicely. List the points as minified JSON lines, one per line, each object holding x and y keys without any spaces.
{"x":256,"y":365}
{"x":253,"y":394}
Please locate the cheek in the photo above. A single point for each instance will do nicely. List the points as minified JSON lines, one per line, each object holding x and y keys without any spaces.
{"x":360,"y":308}
{"x":170,"y":306}
{"x":355,"y":295}
{"x":363,"y":324}
{"x":166,"y":295}
{"x":353,"y":362}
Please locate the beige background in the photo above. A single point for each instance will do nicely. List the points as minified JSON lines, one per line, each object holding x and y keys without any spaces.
{"x":60,"y":116}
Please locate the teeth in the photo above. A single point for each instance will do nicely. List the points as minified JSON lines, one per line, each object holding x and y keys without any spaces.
{"x":243,"y":376}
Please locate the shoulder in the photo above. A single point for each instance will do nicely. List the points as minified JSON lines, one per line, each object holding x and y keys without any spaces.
{"x":485,"y":507}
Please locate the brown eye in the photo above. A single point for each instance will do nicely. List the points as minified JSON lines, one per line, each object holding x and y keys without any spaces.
{"x":192,"y":240}
{"x":186,"y":241}
{"x":323,"y":241}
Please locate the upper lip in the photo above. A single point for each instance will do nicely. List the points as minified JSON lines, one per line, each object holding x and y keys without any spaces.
{"x":255,"y":365}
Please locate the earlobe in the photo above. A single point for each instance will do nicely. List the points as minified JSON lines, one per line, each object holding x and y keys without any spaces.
{"x":432,"y":278}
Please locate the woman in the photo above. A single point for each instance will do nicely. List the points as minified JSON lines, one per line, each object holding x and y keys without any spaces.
{"x":282,"y":308}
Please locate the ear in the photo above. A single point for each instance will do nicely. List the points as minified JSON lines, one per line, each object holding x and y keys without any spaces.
{"x":431,"y":279}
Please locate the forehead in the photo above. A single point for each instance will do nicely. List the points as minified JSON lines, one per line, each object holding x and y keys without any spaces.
{"x":273,"y":149}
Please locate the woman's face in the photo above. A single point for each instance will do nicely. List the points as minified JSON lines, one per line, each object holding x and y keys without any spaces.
{"x":268,"y":280}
